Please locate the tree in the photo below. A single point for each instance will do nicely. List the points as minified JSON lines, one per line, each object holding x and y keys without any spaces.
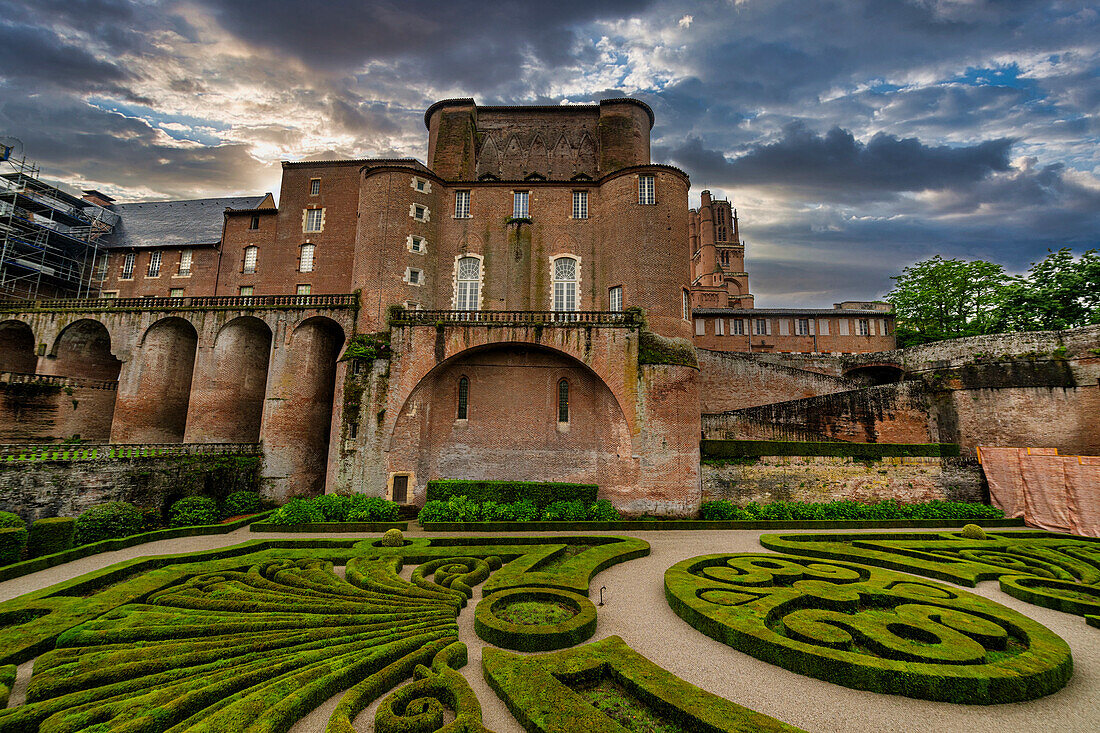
{"x":940,"y":299}
{"x":1059,"y":292}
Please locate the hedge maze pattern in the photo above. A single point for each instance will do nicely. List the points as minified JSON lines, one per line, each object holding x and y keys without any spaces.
{"x":1037,"y":567}
{"x":252,"y":638}
{"x":545,"y":692}
{"x":868,"y":628}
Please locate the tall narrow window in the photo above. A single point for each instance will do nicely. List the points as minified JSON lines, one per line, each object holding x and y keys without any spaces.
{"x":314,"y":186}
{"x":254,"y":223}
{"x":463,"y":397}
{"x":101,"y":271}
{"x":314,"y":221}
{"x":305,"y":262}
{"x":154,"y":264}
{"x":251,"y":254}
{"x":580,"y":204}
{"x":760,"y":327}
{"x":185,"y":262}
{"x":565,"y":284}
{"x":520,"y":209}
{"x":462,"y":204}
{"x":802,"y":328}
{"x":864,"y":327}
{"x":685,"y":306}
{"x":467,"y":284}
{"x":615,"y":298}
{"x":128,"y":266}
{"x":563,"y":401}
{"x":646,"y":193}
{"x":737,"y":327}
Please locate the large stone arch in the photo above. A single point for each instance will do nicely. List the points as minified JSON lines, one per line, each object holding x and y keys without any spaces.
{"x":17,"y":347}
{"x":229,"y":384}
{"x":155,"y":386}
{"x":82,"y":349}
{"x":298,"y":418}
{"x":511,"y":431}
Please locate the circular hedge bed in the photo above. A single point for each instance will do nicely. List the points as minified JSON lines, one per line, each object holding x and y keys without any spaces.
{"x":510,"y":619}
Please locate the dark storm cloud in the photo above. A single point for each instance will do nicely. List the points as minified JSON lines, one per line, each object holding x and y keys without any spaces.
{"x":37,"y":57}
{"x":836,"y":163}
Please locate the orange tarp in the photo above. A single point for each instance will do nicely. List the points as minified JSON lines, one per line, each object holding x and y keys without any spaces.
{"x":1052,"y":492}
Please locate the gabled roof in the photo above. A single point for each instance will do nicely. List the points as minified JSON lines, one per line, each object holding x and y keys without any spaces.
{"x":173,"y":223}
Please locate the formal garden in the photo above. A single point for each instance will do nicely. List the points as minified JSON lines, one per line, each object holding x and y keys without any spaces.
{"x":406,"y":628}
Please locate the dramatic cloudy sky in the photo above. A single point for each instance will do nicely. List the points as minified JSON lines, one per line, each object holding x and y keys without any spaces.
{"x":853,"y":136}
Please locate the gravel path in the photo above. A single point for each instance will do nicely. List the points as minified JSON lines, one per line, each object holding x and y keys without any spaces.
{"x":636,"y":610}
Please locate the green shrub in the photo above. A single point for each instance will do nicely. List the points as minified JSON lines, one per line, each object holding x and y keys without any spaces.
{"x":392,"y":538}
{"x":193,"y":511}
{"x":107,"y":521}
{"x":241,"y":502}
{"x":297,"y":511}
{"x":51,"y":535}
{"x":493,"y":511}
{"x":13,"y":541}
{"x":603,"y":511}
{"x":7,"y":519}
{"x":525,"y":510}
{"x":151,"y":519}
{"x":433,"y":511}
{"x":373,"y":509}
{"x":541,"y":493}
{"x":722,"y":511}
{"x":565,"y":511}
{"x":973,"y":532}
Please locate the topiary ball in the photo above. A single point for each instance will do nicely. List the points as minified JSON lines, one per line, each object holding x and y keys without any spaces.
{"x":973,"y":532}
{"x":392,"y":538}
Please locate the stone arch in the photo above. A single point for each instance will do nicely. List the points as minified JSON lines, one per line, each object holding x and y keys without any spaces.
{"x":299,"y":420}
{"x":154,"y":392}
{"x":83,"y":350}
{"x":511,"y":431}
{"x":488,"y":159}
{"x":229,"y":384}
{"x":586,"y":155}
{"x":562,"y":164}
{"x":512,"y":165}
{"x":538,"y":161}
{"x":17,"y":347}
{"x":876,"y":373}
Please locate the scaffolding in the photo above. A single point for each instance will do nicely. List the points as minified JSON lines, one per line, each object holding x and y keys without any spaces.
{"x":49,"y":239}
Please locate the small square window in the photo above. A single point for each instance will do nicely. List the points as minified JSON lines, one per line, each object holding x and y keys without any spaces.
{"x":520,"y":208}
{"x":414,"y":276}
{"x":304,"y":290}
{"x":314,"y":186}
{"x":175,"y":293}
{"x":422,"y":185}
{"x":246,"y":290}
{"x":580,"y":204}
{"x":418,"y":212}
{"x":109,"y":294}
{"x":462,"y":204}
{"x":315,"y":220}
{"x":416,"y":244}
{"x":646,"y":190}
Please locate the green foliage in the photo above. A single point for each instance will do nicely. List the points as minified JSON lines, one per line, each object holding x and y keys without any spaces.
{"x":869,"y":628}
{"x":193,"y":511}
{"x":738,"y":449}
{"x":13,"y":541}
{"x":107,"y":521}
{"x":656,"y":349}
{"x":542,"y":493}
{"x":336,"y":508}
{"x":240,"y":503}
{"x":368,"y":346}
{"x":494,"y":624}
{"x":419,"y":706}
{"x":8,"y":519}
{"x":1058,"y":292}
{"x":541,"y":691}
{"x":50,"y":535}
{"x":603,"y":511}
{"x":723,"y":510}
{"x":392,"y":538}
{"x":973,"y":532}
{"x":565,"y":511}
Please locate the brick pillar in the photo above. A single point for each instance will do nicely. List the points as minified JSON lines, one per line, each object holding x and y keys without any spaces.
{"x":228,"y":385}
{"x":154,"y":386}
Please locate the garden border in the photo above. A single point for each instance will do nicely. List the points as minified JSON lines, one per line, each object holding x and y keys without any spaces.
{"x":328,"y":527}
{"x":34,"y":565}
{"x":639,"y":525}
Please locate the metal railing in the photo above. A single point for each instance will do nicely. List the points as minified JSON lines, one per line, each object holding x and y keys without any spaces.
{"x":78,"y":452}
{"x":519,"y":318}
{"x":208,"y":302}
{"x":53,"y":380}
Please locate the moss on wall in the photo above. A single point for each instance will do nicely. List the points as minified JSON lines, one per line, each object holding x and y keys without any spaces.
{"x":656,"y":349}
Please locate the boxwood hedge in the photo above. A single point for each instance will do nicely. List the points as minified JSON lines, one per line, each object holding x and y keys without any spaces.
{"x":535,"y":637}
{"x":50,"y":535}
{"x":541,"y":493}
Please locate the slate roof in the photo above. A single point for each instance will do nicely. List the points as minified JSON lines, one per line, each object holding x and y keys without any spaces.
{"x":173,"y":223}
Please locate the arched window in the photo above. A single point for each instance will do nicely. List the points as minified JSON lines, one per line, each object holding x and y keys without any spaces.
{"x":563,"y":401}
{"x":565,"y":284}
{"x":467,"y":283}
{"x":463,"y":397}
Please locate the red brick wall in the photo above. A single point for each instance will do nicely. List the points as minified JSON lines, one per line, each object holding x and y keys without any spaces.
{"x":83,"y":349}
{"x":57,"y":412}
{"x":776,"y":341}
{"x":155,"y":386}
{"x":229,"y":385}
{"x":17,"y":348}
{"x":202,"y":281}
{"x":735,"y":381}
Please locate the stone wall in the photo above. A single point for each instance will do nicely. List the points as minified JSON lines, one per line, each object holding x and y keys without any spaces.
{"x":38,"y":489}
{"x":52,"y":409}
{"x":819,"y":478}
{"x":737,"y":381}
